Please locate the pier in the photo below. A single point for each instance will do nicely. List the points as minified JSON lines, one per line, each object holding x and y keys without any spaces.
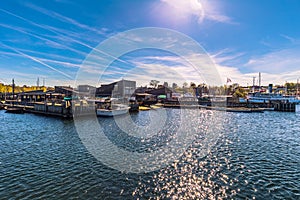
{"x":285,"y":107}
{"x":64,"y":109}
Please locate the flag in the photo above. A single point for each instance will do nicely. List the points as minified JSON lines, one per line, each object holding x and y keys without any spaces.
{"x":228,"y":80}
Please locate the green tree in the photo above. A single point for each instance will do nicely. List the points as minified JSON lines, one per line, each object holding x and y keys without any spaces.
{"x":240,"y":92}
{"x":174,"y":86}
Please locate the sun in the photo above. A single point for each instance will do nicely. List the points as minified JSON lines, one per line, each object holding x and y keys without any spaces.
{"x":183,"y":10}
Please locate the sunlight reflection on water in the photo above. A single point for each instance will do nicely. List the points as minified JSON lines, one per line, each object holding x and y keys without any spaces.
{"x":256,"y":156}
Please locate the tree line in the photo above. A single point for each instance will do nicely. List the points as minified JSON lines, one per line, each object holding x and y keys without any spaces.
{"x":8,"y":88}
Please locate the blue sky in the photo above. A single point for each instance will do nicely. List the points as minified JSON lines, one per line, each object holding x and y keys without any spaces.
{"x":51,"y":39}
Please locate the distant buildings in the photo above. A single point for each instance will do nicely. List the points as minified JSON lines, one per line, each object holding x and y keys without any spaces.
{"x":126,"y":89}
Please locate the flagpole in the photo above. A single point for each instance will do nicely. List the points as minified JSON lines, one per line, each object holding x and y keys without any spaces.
{"x":227,"y":81}
{"x":226,"y":91}
{"x":297,"y":87}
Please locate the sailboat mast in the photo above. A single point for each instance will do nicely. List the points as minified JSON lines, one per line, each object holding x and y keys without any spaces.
{"x":259,"y":80}
{"x":253,"y":85}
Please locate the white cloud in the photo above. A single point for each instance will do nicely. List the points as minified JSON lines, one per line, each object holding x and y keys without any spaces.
{"x":173,"y":69}
{"x":226,"y":55}
{"x":277,"y":67}
{"x":247,"y":78}
{"x":281,"y":61}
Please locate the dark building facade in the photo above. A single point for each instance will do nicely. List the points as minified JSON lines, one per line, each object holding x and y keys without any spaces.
{"x":86,"y":90}
{"x":119,"y":89}
{"x":66,"y":90}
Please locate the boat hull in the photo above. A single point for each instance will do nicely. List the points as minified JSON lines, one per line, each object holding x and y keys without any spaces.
{"x":144,"y":108}
{"x":14,"y":110}
{"x":111,"y":113}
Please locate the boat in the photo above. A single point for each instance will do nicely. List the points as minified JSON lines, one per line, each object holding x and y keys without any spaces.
{"x":13,"y":109}
{"x":258,"y":97}
{"x":144,"y":108}
{"x":156,"y":106}
{"x":1,"y":106}
{"x":114,"y":110}
{"x":134,"y":106}
{"x":269,"y":109}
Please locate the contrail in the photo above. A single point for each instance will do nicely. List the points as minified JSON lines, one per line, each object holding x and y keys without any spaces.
{"x":38,"y":61}
{"x":41,"y":38}
{"x":59,"y":34}
{"x":99,"y":51}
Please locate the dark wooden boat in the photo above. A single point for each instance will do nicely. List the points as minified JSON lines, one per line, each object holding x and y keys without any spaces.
{"x":13,"y":109}
{"x":134,"y":106}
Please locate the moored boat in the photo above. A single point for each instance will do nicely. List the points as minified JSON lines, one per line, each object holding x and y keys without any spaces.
{"x":157,"y":106}
{"x":144,"y":108}
{"x":113,"y":111}
{"x":1,"y":106}
{"x":134,"y":106}
{"x":259,"y":97}
{"x":13,"y":109}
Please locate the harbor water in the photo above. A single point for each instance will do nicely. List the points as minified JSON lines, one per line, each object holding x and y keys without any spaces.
{"x":256,"y":155}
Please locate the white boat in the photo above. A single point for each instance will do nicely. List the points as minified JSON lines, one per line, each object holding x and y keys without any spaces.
{"x":114,"y":111}
{"x":268,"y":97}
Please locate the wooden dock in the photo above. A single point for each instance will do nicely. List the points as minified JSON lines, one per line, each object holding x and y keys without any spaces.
{"x":56,"y":110}
{"x":66,"y":110}
{"x":180,"y":106}
{"x":218,"y":108}
{"x":285,"y":107}
{"x":234,"y":109}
